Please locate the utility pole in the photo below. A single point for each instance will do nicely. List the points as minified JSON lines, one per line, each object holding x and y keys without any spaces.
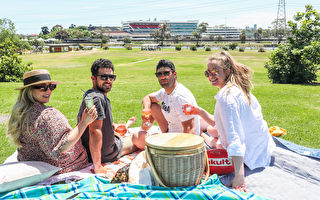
{"x":281,"y":23}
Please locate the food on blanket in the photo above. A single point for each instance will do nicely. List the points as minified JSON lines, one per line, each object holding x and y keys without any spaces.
{"x":122,"y":175}
{"x":277,"y":131}
{"x":88,"y":101}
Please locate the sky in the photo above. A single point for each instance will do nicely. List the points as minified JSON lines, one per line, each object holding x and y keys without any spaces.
{"x":30,"y":15}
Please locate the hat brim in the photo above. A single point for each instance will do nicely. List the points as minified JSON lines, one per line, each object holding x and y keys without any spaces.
{"x":37,"y":83}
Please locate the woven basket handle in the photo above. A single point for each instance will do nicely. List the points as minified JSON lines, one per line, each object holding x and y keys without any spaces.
{"x":207,"y":167}
{"x":153,"y":169}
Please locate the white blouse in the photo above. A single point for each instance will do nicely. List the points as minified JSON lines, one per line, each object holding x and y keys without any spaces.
{"x":241,"y":127}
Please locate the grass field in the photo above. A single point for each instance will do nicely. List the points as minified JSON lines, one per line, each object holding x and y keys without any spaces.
{"x":295,"y":108}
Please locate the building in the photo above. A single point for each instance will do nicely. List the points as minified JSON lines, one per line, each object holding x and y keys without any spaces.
{"x":223,"y":31}
{"x":53,"y":48}
{"x":148,"y":27}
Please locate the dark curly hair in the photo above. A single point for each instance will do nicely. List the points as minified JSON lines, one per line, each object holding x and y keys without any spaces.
{"x":101,"y":63}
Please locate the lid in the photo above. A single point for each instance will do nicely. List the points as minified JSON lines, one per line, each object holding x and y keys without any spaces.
{"x":174,"y":141}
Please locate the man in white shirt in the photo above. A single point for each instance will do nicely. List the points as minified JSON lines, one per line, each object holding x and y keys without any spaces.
{"x":165,"y":106}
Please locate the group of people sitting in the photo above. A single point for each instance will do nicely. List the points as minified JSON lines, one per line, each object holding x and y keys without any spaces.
{"x":42,"y":133}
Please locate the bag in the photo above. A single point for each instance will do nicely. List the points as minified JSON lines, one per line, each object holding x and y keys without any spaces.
{"x":219,"y":162}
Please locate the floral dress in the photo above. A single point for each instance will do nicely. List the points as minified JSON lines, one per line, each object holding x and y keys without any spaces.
{"x":43,"y":139}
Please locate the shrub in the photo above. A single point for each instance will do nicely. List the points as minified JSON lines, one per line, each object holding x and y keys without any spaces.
{"x":178,"y":48}
{"x":208,"y":49}
{"x":241,"y":49}
{"x":128,"y":47}
{"x":11,"y":66}
{"x":233,"y":45}
{"x":193,"y":48}
{"x":261,"y":49}
{"x":105,"y":47}
{"x":127,"y":40}
{"x":225,"y":48}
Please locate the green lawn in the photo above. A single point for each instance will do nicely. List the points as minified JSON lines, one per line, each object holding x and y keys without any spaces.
{"x":295,"y":108}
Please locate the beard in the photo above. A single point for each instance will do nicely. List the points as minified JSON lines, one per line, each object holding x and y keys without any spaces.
{"x":105,"y":88}
{"x":169,"y":84}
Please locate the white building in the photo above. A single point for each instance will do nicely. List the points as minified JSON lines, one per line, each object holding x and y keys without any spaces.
{"x":223,"y":31}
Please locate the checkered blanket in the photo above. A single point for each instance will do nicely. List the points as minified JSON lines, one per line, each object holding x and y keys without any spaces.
{"x":97,"y":187}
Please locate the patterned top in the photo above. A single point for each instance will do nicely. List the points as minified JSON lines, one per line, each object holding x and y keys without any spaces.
{"x":48,"y":132}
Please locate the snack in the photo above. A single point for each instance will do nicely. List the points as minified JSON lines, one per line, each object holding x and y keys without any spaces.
{"x":277,"y":131}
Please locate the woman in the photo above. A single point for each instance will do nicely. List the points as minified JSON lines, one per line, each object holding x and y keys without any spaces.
{"x":43,"y":133}
{"x":237,"y":117}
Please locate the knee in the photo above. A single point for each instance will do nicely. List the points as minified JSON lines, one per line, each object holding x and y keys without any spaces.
{"x":139,"y":139}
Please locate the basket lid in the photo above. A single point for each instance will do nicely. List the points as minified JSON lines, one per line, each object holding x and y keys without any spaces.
{"x":174,"y":141}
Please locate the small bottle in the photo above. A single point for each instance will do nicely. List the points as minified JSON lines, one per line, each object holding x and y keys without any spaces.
{"x":188,"y":110}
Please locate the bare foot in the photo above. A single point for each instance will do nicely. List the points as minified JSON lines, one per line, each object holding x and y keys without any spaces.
{"x":131,"y":121}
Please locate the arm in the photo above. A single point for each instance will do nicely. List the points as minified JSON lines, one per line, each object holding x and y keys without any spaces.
{"x":95,"y":145}
{"x":77,"y":132}
{"x":196,"y":110}
{"x":147,"y":100}
{"x":188,"y":126}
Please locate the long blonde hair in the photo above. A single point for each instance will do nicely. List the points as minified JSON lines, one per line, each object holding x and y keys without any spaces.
{"x":20,"y":112}
{"x":240,"y":74}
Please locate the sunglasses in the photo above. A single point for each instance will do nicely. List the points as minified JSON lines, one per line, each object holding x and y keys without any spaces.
{"x":165,"y":73}
{"x":44,"y":88}
{"x":105,"y":77}
{"x":207,"y":73}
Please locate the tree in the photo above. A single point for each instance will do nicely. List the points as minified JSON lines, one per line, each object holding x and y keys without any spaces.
{"x":127,"y":40}
{"x":297,"y":61}
{"x":56,"y":28}
{"x":72,"y":26}
{"x":11,"y":66}
{"x":243,"y":36}
{"x":62,"y":34}
{"x":162,"y":33}
{"x":197,"y":34}
{"x":45,"y":30}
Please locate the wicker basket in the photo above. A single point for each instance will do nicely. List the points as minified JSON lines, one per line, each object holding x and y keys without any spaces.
{"x":177,"y":159}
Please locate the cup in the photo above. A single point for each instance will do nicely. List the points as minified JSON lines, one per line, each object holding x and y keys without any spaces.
{"x":121,"y":128}
{"x":89,"y":102}
{"x":188,"y":110}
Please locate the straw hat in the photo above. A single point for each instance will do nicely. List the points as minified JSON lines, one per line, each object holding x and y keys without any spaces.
{"x":36,"y":77}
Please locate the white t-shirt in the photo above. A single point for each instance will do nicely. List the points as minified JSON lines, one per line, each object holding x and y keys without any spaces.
{"x":172,"y":108}
{"x":241,"y":127}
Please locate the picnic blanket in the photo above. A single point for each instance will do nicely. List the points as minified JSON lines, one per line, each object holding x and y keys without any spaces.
{"x":97,"y":187}
{"x":294,"y":174}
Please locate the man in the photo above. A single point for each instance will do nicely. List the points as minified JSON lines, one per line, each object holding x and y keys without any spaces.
{"x":101,"y":143}
{"x":169,"y":115}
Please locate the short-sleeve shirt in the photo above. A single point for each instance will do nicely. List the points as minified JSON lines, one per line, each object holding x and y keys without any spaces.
{"x":171,"y":106}
{"x":111,"y":144}
{"x":48,"y":131}
{"x":241,"y":127}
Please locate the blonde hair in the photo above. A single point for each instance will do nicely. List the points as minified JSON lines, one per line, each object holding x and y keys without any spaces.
{"x":19,"y":114}
{"x":240,"y":74}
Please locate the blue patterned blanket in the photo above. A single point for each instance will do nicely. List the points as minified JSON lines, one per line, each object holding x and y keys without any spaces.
{"x":97,"y":187}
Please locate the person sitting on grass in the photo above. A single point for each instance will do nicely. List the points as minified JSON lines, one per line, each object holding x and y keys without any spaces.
{"x":42,"y":133}
{"x":237,"y":117}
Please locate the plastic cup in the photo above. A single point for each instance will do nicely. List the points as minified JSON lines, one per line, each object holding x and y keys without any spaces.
{"x":88,"y":101}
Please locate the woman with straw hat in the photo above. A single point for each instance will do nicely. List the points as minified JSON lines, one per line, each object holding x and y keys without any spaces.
{"x":42,"y":133}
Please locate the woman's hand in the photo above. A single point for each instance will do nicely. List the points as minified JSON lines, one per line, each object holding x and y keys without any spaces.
{"x":89,"y":116}
{"x":189,"y":109}
{"x":238,"y":183}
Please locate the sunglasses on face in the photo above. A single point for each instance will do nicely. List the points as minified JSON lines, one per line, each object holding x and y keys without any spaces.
{"x":44,"y":88}
{"x":105,"y":77}
{"x":207,"y":73}
{"x":165,"y":73}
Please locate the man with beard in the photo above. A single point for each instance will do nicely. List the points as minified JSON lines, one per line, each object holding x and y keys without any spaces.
{"x":101,"y":143}
{"x":169,"y":115}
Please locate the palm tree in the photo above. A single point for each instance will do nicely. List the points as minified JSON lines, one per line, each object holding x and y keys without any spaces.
{"x":162,"y":33}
